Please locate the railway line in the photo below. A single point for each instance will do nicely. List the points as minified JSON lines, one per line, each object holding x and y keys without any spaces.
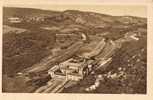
{"x":46,"y":63}
{"x":53,"y":86}
{"x":64,"y":69}
{"x":102,"y":53}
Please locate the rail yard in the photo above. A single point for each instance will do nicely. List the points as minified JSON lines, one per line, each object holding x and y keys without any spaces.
{"x":69,"y":67}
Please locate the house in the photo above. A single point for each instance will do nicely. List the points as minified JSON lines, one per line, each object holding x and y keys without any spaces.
{"x":75,"y":77}
{"x":14,"y":20}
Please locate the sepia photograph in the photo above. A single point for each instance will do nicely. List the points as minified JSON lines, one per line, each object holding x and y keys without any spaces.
{"x":91,"y":49}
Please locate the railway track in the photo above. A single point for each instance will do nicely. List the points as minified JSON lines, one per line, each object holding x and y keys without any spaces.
{"x":102,"y":53}
{"x":53,"y":86}
{"x":46,"y":63}
{"x":103,"y":56}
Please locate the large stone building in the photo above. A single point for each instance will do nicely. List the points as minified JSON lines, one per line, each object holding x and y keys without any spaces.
{"x":72,"y":69}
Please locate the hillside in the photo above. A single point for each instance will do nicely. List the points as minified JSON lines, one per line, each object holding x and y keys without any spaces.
{"x":42,"y":33}
{"x":24,"y":49}
{"x":72,"y":21}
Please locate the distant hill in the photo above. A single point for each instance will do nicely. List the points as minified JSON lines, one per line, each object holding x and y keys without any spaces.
{"x":70,"y":17}
{"x":72,"y":21}
{"x":21,"y":12}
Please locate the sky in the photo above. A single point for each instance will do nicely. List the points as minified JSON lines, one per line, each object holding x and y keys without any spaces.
{"x":74,"y":1}
{"x":111,"y":9}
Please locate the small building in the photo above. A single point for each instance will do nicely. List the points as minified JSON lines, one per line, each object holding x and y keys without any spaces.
{"x":55,"y":72}
{"x":73,"y":76}
{"x":14,"y":20}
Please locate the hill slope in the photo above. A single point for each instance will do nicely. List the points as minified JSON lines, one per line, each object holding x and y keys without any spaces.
{"x":46,"y":30}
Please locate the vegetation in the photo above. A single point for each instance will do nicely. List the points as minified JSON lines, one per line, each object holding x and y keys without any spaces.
{"x":25,"y":49}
